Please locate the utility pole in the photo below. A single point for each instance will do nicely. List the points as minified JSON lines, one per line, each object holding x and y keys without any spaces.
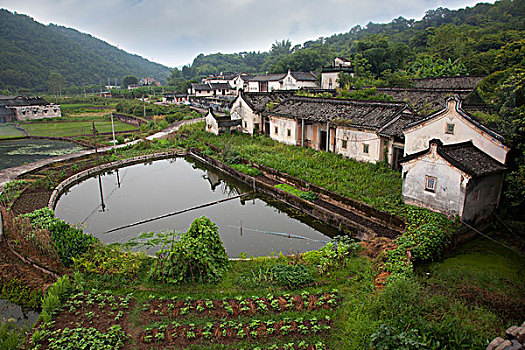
{"x":113,"y":130}
{"x":95,"y":140}
{"x":84,"y":91}
{"x":144,"y":106}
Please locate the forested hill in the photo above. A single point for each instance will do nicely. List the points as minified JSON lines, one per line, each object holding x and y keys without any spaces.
{"x":472,"y":35}
{"x":31,"y":51}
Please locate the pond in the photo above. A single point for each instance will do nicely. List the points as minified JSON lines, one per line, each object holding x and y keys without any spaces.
{"x":18,"y":152}
{"x":134,"y":193}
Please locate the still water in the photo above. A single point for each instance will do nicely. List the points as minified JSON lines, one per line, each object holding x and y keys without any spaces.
{"x":18,"y":152}
{"x":144,"y":191}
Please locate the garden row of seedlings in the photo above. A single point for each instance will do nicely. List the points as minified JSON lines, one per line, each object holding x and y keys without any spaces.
{"x":229,"y":331}
{"x":240,"y":306}
{"x":91,"y":318}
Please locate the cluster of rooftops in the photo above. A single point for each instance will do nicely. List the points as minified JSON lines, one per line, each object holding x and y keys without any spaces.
{"x":428,"y":129}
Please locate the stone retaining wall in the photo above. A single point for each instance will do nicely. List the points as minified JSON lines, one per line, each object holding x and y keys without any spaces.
{"x":330,"y":218}
{"x":70,"y":181}
{"x":514,"y":339}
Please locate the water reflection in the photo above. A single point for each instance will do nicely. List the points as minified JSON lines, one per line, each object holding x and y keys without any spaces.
{"x":258,"y":227}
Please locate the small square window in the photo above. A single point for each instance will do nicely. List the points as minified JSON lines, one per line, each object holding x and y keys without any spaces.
{"x":450,"y":129}
{"x":276,"y":130}
{"x":344,"y":144}
{"x":366,"y":148}
{"x":288,"y":132}
{"x":430,"y":183}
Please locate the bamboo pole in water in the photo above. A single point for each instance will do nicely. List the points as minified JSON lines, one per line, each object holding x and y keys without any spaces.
{"x":178,"y":212}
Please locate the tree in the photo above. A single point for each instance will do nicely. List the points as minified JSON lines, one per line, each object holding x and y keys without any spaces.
{"x":55,"y":82}
{"x":129,"y":80}
{"x":280,"y":48}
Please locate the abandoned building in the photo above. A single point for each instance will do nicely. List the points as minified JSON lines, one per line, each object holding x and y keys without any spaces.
{"x":19,"y":108}
{"x":220,"y":124}
{"x":363,"y":130}
{"x":455,"y":179}
{"x":453,"y":125}
{"x":249,"y":107}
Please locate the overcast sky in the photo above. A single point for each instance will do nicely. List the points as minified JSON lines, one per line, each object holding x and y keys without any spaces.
{"x":173,"y":32}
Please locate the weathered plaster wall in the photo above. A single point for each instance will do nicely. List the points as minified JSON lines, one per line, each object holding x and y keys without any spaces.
{"x":482,"y":197}
{"x":417,"y":138}
{"x":328,"y":77}
{"x":283,"y":125}
{"x":355,"y":141}
{"x":37,"y":112}
{"x":248,"y":116}
{"x":451,"y":183}
{"x":211,"y":124}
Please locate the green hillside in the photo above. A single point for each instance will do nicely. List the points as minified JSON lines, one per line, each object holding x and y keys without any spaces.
{"x":30,"y":51}
{"x":472,"y":36}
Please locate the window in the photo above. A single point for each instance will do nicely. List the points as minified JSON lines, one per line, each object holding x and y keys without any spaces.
{"x":366,"y":148}
{"x":430,"y":183}
{"x":344,"y":144}
{"x":276,"y":130}
{"x":245,"y":124}
{"x":450,"y":129}
{"x":288,"y":132}
{"x":256,"y":126}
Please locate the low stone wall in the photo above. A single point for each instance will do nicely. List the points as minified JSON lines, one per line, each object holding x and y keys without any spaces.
{"x":328,"y":217}
{"x":514,"y":339}
{"x":70,"y":181}
{"x":388,"y":218}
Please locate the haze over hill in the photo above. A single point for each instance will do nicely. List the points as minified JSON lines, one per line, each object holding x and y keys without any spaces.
{"x":30,"y":51}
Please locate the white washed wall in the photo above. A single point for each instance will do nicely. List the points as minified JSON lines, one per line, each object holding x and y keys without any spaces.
{"x":417,"y":138}
{"x":283,"y":125}
{"x":355,"y":141}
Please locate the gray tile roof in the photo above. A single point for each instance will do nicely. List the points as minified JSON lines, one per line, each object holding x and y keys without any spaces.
{"x":366,"y":114}
{"x":265,"y":77}
{"x":258,"y":100}
{"x":453,"y":82}
{"x":304,"y":76}
{"x":18,"y":101}
{"x":464,"y":156}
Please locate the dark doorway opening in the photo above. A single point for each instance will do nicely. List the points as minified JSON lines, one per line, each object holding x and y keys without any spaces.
{"x":322,"y":141}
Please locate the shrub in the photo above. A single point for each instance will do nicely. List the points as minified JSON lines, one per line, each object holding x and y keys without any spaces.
{"x":69,"y":242}
{"x":333,"y":255}
{"x":109,"y":261}
{"x":19,"y":293}
{"x":292,"y":275}
{"x":11,"y":337}
{"x":199,"y":255}
{"x":387,"y":337}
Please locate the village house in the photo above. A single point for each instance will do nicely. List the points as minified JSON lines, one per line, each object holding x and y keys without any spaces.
{"x":173,"y":98}
{"x":369,"y":131}
{"x":210,"y":89}
{"x":220,"y":124}
{"x":26,"y":108}
{"x":454,"y":125}
{"x":249,"y":107}
{"x":454,"y":179}
{"x":281,"y":81}
{"x":330,"y":75}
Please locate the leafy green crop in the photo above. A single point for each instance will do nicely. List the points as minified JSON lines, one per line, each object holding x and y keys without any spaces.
{"x":68,"y":241}
{"x":308,"y":195}
{"x":199,"y":255}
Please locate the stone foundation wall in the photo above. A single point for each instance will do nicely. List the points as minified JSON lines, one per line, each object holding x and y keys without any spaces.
{"x":514,"y":339}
